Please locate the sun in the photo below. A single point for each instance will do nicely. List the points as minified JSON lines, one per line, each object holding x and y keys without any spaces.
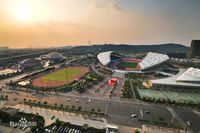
{"x":24,"y":12}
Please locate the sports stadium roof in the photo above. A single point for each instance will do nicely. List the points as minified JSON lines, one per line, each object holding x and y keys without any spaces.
{"x":191,"y":74}
{"x":53,"y":55}
{"x":152,"y":59}
{"x":29,"y":61}
{"x":104,"y":57}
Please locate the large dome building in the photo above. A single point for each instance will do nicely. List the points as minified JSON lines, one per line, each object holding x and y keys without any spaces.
{"x":53,"y":57}
{"x":30,"y":64}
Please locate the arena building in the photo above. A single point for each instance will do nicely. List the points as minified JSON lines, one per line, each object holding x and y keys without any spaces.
{"x":53,"y":57}
{"x":30,"y":64}
{"x":186,"y":79}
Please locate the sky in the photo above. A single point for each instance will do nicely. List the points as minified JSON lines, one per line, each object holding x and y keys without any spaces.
{"x":54,"y":23}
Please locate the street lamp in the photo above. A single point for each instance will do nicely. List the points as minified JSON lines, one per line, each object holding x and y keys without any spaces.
{"x":141,"y":114}
{"x":188,"y":125}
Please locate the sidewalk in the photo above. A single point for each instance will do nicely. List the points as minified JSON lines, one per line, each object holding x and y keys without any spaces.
{"x":73,"y":118}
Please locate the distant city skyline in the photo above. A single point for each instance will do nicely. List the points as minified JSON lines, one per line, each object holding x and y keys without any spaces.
{"x":50,"y":23}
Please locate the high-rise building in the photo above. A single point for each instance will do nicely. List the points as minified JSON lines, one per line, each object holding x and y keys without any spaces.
{"x":194,"y":50}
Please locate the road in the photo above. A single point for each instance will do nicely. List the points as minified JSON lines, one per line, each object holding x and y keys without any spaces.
{"x":118,"y":112}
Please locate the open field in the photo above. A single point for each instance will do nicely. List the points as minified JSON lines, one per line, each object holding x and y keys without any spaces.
{"x":60,"y":77}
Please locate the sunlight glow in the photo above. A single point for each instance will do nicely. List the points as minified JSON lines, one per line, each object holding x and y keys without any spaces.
{"x":23,"y":12}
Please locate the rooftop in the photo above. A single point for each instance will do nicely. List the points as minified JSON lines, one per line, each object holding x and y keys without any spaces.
{"x":172,"y":80}
{"x":191,"y":74}
{"x":152,"y":59}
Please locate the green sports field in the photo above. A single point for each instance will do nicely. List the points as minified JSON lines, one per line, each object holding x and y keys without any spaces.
{"x":129,"y":64}
{"x":60,"y":77}
{"x":62,"y":74}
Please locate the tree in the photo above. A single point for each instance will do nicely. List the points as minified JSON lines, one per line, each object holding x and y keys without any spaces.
{"x":79,"y":108}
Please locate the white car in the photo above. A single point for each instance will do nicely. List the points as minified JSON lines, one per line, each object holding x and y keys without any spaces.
{"x":89,"y":100}
{"x":47,"y":130}
{"x":133,"y":115}
{"x":112,"y":129}
{"x":76,"y":100}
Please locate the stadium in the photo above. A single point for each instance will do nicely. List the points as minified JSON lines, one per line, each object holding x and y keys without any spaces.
{"x":153,"y":63}
{"x":30,"y":64}
{"x":114,"y":61}
{"x":53,"y":57}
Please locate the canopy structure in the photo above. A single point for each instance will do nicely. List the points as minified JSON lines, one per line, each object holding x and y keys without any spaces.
{"x":152,"y":59}
{"x":106,"y":57}
{"x":112,"y":81}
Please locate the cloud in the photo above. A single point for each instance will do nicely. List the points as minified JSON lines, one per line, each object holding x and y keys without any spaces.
{"x":115,"y":5}
{"x":108,"y":4}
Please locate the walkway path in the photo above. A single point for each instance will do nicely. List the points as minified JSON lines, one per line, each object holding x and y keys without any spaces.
{"x":73,"y":118}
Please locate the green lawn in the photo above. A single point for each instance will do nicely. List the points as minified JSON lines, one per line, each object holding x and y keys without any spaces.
{"x":61,"y":75}
{"x":129,"y":64}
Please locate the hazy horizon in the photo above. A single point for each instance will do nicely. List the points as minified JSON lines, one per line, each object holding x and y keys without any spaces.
{"x":50,"y":23}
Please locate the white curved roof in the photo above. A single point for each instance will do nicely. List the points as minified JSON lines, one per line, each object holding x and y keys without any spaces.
{"x":191,"y":74}
{"x":104,"y":57}
{"x":173,"y":80}
{"x":53,"y":55}
{"x":29,"y":61}
{"x":152,"y":59}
